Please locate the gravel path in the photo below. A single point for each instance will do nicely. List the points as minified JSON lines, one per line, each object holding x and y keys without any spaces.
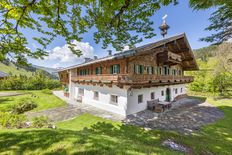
{"x":5,"y":94}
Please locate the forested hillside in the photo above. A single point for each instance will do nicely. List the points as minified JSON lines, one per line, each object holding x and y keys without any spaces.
{"x":215,"y":74}
{"x":13,"y":68}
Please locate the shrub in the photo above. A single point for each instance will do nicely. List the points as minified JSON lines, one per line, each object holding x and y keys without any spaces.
{"x":24,"y":104}
{"x":39,"y":122}
{"x":8,"y":120}
{"x":38,"y":81}
{"x":46,"y":91}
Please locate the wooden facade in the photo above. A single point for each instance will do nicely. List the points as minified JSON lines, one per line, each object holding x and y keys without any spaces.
{"x":155,"y":64}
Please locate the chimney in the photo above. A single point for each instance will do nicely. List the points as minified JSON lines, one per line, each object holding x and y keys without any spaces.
{"x":95,"y":57}
{"x":87,"y":59}
{"x":109,"y":52}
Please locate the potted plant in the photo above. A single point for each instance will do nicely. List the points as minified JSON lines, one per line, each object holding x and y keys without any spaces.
{"x":66,"y":93}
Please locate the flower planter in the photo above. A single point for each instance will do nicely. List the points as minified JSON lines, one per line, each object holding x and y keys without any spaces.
{"x":66,"y":94}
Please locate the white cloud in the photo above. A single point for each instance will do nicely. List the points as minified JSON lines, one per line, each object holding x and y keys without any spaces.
{"x":64,"y":54}
{"x":125,"y":48}
{"x":230,"y":40}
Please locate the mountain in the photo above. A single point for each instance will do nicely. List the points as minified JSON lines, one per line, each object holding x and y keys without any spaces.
{"x":51,"y":71}
{"x":12,"y":68}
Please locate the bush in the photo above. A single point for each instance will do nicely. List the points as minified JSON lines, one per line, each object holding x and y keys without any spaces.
{"x":39,"y":122}
{"x":24,"y":104}
{"x":46,"y":91}
{"x":38,"y":81}
{"x":10,"y":121}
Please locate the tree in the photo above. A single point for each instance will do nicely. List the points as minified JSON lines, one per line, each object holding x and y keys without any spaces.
{"x":114,"y":20}
{"x":221,"y":19}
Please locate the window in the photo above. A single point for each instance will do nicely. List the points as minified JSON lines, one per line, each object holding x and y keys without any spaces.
{"x":61,"y":76}
{"x":174,"y":72}
{"x":152,"y":96}
{"x":140,"y":98}
{"x":114,"y":99}
{"x":115,"y":69}
{"x":98,"y":70}
{"x":96,"y":95}
{"x":162,"y":93}
{"x":181,"y":90}
{"x":139,"y":69}
{"x":180,"y":72}
{"x":159,"y":70}
{"x":84,"y":72}
{"x":81,"y":92}
{"x":150,"y":70}
{"x":166,"y":70}
{"x":176,"y":91}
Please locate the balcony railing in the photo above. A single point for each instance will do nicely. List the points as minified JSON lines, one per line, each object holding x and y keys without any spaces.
{"x":136,"y":78}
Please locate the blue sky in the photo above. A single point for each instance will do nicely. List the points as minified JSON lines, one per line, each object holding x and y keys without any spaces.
{"x":180,"y":18}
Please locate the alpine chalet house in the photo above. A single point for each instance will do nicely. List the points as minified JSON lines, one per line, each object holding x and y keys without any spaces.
{"x":124,"y":82}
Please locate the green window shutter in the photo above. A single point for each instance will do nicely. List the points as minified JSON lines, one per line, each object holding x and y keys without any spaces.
{"x":141,"y":69}
{"x":134,"y":68}
{"x":111,"y":69}
{"x":152,"y":70}
{"x":118,"y":66}
{"x":96,"y":70}
{"x":100,"y":72}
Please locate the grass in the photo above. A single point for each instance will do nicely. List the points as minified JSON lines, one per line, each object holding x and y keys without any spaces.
{"x":88,"y":134}
{"x":43,"y":100}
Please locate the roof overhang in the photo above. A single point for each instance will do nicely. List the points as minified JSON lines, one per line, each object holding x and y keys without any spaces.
{"x":177,"y":44}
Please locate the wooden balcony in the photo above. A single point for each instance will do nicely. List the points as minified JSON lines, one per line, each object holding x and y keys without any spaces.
{"x":64,"y":81}
{"x":103,"y":78}
{"x":132,"y":79}
{"x":168,"y":58}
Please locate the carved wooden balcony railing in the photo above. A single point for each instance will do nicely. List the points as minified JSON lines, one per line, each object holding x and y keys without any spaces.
{"x":129,"y":79}
{"x":168,"y":58}
{"x":98,"y":78}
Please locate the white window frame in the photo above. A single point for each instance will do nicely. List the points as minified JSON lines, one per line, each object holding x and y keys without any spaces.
{"x":81,"y":92}
{"x":113,"y":100}
{"x":153,"y":95}
{"x":96,"y":97}
{"x":138,"y":98}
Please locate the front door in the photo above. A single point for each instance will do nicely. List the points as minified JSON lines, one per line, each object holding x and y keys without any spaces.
{"x":168,"y":95}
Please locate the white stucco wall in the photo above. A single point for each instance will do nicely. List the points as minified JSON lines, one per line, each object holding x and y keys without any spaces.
{"x":127,"y":100}
{"x":133,"y":106}
{"x":105,"y":93}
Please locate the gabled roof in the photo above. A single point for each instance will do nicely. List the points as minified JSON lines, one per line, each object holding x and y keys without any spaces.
{"x":2,"y":74}
{"x":138,"y":50}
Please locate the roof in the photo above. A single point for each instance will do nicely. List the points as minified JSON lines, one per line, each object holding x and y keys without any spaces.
{"x":138,"y":50}
{"x":2,"y":74}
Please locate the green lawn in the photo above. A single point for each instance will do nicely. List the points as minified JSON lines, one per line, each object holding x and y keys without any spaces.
{"x":44,"y":101}
{"x":88,"y":134}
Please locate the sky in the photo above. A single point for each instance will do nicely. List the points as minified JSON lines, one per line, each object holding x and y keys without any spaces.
{"x":180,"y":18}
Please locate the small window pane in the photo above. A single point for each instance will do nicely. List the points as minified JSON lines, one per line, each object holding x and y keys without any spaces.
{"x":81,"y":91}
{"x":114,"y":99}
{"x":140,"y":98}
{"x":96,"y":95}
{"x":152,"y":95}
{"x":162,"y":93}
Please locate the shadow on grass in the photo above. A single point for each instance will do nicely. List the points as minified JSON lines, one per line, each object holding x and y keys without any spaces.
{"x":105,"y":138}
{"x":101,"y":138}
{"x":5,"y":100}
